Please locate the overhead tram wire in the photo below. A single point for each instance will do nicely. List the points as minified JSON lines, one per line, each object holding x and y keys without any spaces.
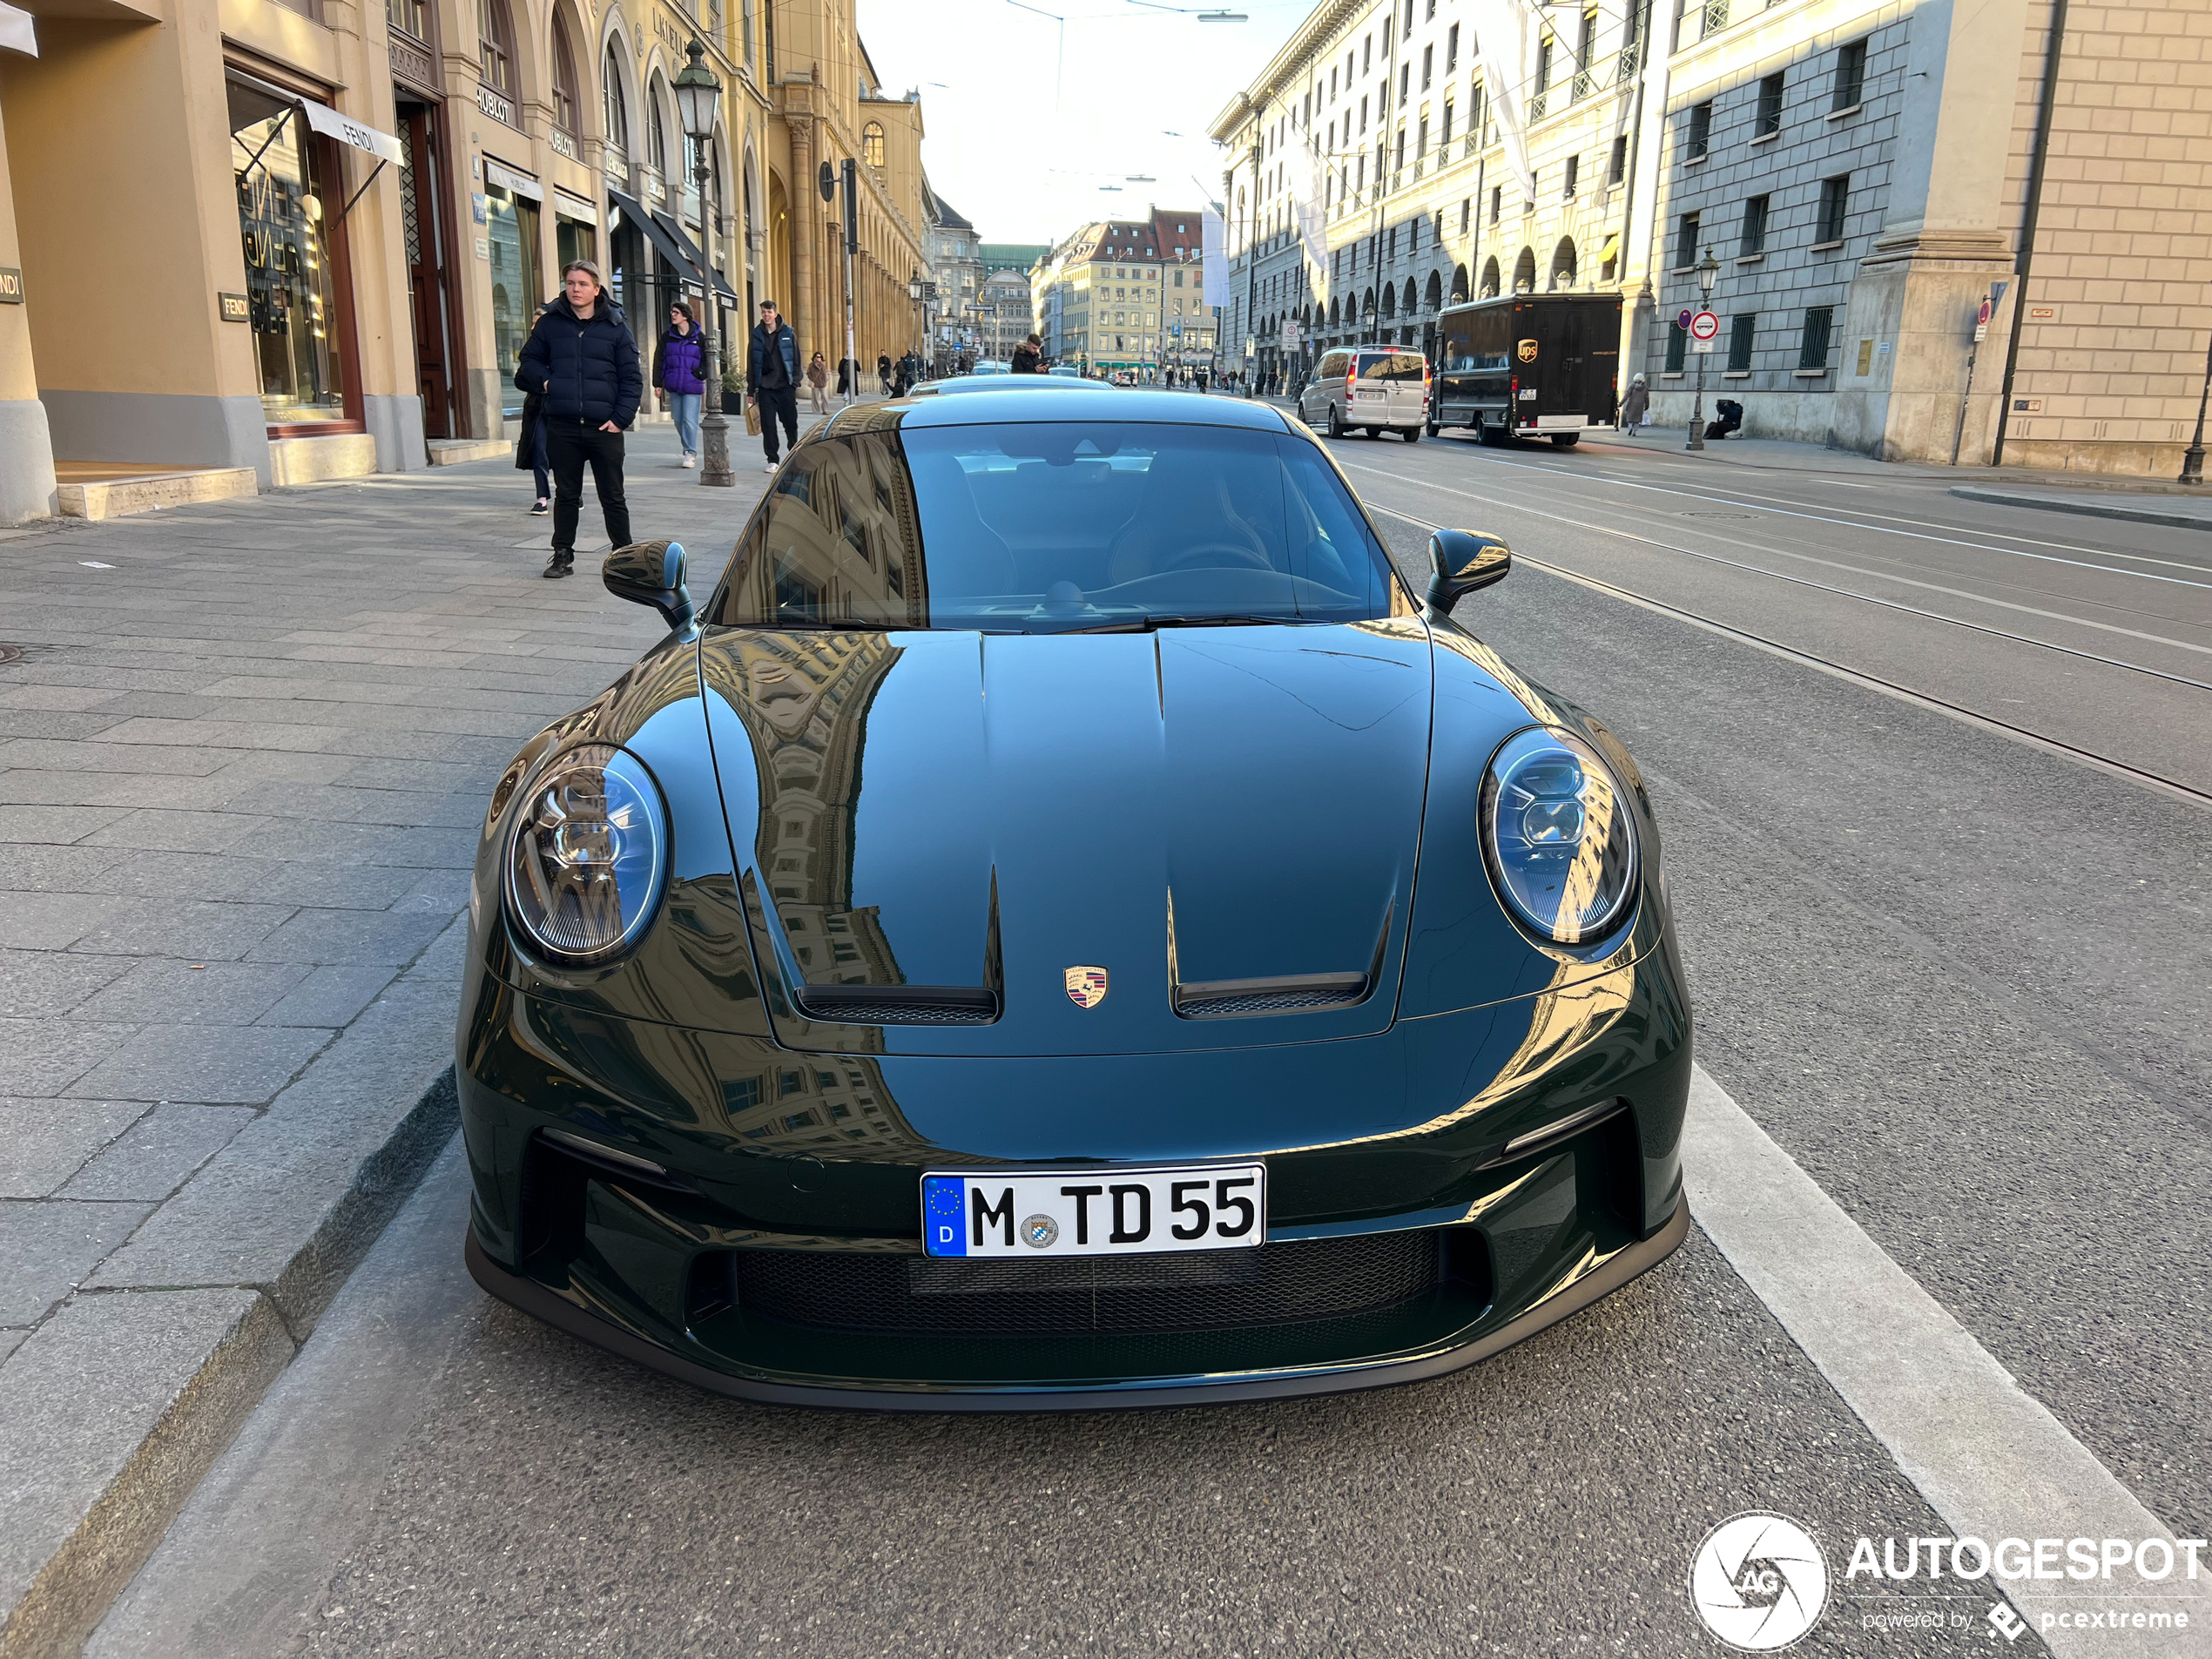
{"x":1975,"y":716}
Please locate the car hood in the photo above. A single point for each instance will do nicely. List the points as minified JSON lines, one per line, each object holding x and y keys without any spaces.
{"x":1183,"y":811}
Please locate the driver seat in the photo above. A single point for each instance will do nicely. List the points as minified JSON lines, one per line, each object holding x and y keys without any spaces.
{"x":1187,"y":503}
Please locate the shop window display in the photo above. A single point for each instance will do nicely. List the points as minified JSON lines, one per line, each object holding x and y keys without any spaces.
{"x":284,"y":211}
{"x":516,"y":283}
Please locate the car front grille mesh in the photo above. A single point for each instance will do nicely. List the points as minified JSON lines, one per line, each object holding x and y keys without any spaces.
{"x":1277,"y":1284}
{"x":1200,"y":1007}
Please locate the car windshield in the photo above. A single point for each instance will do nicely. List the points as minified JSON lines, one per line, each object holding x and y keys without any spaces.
{"x":1392,"y":365}
{"x":1057,"y":527}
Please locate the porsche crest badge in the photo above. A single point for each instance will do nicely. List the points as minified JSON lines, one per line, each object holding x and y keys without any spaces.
{"x":1087,"y":986}
{"x":1526,"y":352}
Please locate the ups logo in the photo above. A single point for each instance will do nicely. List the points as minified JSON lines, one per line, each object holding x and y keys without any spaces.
{"x":1527,"y":351}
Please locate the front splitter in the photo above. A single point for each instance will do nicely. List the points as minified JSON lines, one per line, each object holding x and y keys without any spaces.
{"x":535,"y":1299}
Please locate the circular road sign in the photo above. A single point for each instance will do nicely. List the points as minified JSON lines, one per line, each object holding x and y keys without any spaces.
{"x":1704,"y":326}
{"x":1682,"y":321}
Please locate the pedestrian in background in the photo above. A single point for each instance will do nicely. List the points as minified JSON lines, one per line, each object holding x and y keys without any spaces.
{"x":844,"y":376}
{"x":1029,"y":356}
{"x":772,"y":379}
{"x":883,"y":370}
{"x":818,"y":384}
{"x":680,"y":369}
{"x":582,"y":358}
{"x":1635,"y":405}
{"x":530,"y":452}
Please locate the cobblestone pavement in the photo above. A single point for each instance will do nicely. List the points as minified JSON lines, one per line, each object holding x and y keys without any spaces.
{"x":244,"y":752}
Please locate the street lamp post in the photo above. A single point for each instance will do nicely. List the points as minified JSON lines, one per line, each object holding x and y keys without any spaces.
{"x":699,"y":95}
{"x":1708,"y":272}
{"x":2193,"y":458}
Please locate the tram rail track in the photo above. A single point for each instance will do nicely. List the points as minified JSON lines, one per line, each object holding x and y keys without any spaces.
{"x":1859,"y":676}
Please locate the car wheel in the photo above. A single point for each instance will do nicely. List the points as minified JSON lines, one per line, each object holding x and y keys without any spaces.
{"x":1433,"y":428}
{"x":1411,"y":434}
{"x":1336,"y":423}
{"x":1492,"y":436}
{"x":1566,"y":440}
{"x":1370,"y":432}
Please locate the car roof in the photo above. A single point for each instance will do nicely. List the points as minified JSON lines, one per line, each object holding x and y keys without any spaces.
{"x":966,"y":384}
{"x":1041,"y":400}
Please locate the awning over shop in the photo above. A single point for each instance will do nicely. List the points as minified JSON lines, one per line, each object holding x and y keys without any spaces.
{"x":1611,"y":249}
{"x":697,"y":260}
{"x":18,"y":31}
{"x":346,"y":130}
{"x":655,"y":230}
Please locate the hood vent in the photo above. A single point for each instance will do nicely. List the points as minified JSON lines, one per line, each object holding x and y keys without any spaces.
{"x":899,"y":1004}
{"x":1225,"y":999}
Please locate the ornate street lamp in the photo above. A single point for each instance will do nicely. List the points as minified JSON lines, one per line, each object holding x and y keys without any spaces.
{"x":698,"y":97}
{"x":1708,"y":272}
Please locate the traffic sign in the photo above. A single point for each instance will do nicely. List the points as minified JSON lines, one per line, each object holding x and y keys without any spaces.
{"x":1704,"y":326}
{"x":1981,"y":321}
{"x":1683,"y":319}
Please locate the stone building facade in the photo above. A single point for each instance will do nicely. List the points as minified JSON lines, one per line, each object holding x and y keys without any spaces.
{"x":1862,"y":174}
{"x":1126,"y":294}
{"x":358,"y":208}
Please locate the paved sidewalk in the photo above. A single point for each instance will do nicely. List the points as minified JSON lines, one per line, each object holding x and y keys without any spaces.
{"x":245,"y":750}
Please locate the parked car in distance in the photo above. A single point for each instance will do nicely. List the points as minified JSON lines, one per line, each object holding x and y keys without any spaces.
{"x":1066,"y":371}
{"x":992,"y":366}
{"x":1373,"y":390}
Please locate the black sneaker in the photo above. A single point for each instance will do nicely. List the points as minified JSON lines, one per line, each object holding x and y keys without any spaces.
{"x":539,"y":508}
{"x":561,"y":562}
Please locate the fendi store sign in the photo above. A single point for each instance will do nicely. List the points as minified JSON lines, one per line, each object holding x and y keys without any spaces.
{"x":11,"y":286}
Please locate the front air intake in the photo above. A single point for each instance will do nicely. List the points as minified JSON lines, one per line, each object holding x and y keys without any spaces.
{"x":899,"y":1004}
{"x":1228,"y":999}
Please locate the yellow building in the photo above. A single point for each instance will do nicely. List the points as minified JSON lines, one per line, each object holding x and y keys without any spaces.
{"x":306,"y":240}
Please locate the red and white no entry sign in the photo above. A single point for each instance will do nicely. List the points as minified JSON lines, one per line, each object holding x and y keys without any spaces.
{"x":1704,"y":326}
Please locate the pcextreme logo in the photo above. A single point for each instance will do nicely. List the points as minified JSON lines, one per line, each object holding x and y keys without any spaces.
{"x":1758,"y":1582}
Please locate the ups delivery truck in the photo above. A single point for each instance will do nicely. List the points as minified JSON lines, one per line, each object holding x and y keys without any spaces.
{"x":1528,"y":366}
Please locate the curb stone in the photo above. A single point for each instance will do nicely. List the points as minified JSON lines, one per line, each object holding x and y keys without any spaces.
{"x":2090,"y":510}
{"x":93,"y":1469}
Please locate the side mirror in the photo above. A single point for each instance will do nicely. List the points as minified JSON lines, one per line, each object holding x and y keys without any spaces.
{"x":650,"y":573}
{"x":1462,"y":561}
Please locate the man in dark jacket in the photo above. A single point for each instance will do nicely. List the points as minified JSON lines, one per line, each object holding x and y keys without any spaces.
{"x":582,"y":358}
{"x":1029,"y":356}
{"x":771,"y":379}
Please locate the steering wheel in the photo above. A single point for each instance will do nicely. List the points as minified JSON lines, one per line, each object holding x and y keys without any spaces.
{"x":1213,"y":555}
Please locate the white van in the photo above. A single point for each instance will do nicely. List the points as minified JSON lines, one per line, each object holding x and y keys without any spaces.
{"x":1373,"y":390}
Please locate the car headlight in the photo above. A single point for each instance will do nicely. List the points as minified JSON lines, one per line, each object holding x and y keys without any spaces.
{"x":587,"y":856}
{"x":1558,"y":836}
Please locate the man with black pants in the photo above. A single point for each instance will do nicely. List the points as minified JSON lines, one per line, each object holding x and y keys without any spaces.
{"x":582,"y":358}
{"x":771,"y":379}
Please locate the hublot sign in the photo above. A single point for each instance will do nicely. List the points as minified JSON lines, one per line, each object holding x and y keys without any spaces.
{"x":564,"y":145}
{"x":497,"y":105}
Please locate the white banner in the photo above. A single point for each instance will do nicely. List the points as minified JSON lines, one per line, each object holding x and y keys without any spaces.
{"x":1306,"y":201}
{"x":1214,"y":246}
{"x":1509,"y":47}
{"x":346,"y":130}
{"x":18,"y":31}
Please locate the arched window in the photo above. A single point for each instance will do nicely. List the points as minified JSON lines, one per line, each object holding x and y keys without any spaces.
{"x":565,"y":105}
{"x":1563,"y":263}
{"x":657,"y":130}
{"x":496,"y":45}
{"x":872,"y":144}
{"x":1389,"y":300}
{"x":1410,"y":303}
{"x":617,"y":111}
{"x":1459,"y":283}
{"x":1435,"y":295}
{"x":1524,"y":271}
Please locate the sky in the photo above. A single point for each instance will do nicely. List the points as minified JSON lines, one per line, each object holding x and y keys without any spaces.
{"x":1021,"y":130}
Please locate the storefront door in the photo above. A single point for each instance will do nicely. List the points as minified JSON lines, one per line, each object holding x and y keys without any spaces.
{"x":517,"y":283}
{"x":428,"y":231}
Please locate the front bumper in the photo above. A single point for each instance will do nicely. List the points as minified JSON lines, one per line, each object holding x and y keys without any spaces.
{"x":768,"y":1248}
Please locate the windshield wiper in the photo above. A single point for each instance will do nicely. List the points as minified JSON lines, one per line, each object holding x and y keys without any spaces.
{"x":1146,"y":624}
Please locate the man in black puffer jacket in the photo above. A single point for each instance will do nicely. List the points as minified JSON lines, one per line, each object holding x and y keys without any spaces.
{"x":582,"y":356}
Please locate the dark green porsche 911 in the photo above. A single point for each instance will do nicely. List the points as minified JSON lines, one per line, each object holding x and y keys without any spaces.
{"x":1062,"y":926}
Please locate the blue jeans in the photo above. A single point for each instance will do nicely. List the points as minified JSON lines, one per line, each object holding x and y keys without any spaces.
{"x":685,"y":407}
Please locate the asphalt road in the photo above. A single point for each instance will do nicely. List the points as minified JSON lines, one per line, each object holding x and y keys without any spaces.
{"x":1959,"y":973}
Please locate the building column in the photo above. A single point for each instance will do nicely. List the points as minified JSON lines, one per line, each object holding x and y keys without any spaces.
{"x":26,"y":447}
{"x":807,"y":325}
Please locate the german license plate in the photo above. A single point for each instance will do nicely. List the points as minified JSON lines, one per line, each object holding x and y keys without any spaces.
{"x":1094,"y":1212}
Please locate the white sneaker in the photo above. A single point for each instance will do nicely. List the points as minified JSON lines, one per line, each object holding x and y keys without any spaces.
{"x":688,"y":461}
{"x":770,"y":467}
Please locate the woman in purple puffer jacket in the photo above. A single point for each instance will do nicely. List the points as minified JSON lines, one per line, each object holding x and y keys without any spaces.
{"x":680,"y":369}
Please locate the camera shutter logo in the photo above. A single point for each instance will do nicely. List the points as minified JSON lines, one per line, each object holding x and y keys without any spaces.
{"x":1759,"y":1581}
